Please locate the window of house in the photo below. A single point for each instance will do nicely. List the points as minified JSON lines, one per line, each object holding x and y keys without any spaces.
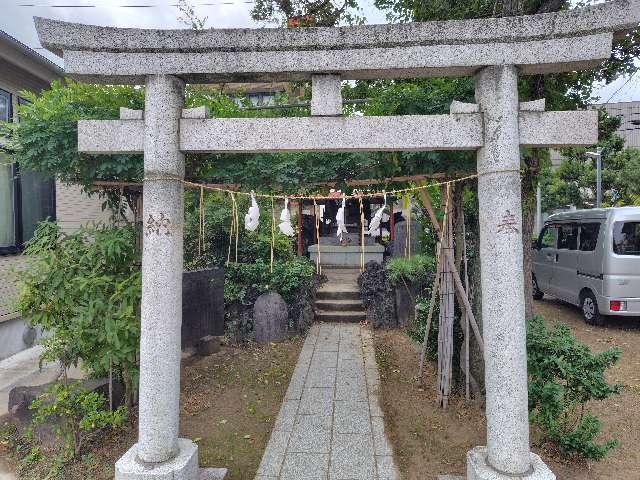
{"x":5,"y":106}
{"x":547,"y":238}
{"x":568,"y":236}
{"x":589,"y":236}
{"x":26,"y":197}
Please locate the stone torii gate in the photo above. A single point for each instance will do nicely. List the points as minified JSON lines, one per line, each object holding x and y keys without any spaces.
{"x":494,"y":50}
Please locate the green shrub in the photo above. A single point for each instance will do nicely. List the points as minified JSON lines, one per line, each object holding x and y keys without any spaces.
{"x":84,"y":289}
{"x":563,"y":376}
{"x":77,"y":413}
{"x":217,"y":212}
{"x":244,"y":281}
{"x":416,"y":269}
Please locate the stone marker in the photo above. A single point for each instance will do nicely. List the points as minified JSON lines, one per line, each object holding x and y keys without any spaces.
{"x":208,"y":345}
{"x":400,"y":238}
{"x":270,"y":316}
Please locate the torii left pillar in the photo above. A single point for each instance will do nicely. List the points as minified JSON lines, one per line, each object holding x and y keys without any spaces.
{"x":160,"y":454}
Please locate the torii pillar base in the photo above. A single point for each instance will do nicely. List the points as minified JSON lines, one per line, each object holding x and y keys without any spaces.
{"x":479,"y":469}
{"x":183,"y":466}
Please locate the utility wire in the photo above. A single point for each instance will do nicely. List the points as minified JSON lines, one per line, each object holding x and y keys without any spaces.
{"x":207,"y":4}
{"x":623,"y":85}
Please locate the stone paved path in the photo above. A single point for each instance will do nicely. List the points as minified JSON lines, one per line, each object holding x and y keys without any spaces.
{"x":330,"y":424}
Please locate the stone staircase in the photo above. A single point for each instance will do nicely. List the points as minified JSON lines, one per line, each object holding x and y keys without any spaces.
{"x":338,"y":300}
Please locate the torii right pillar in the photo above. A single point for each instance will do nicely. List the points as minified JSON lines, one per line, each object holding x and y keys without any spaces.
{"x":507,"y":454}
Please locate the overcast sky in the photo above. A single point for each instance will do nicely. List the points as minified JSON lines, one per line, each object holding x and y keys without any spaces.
{"x":17,"y":21}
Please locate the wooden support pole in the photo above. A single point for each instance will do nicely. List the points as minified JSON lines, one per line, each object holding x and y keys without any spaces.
{"x":461,"y":294}
{"x":392,"y":222}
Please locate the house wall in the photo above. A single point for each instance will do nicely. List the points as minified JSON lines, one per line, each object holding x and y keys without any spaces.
{"x":21,"y":69}
{"x":75,"y":208}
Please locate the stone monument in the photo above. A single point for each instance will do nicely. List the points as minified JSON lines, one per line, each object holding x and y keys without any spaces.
{"x":495,"y":50}
{"x":270,"y":316}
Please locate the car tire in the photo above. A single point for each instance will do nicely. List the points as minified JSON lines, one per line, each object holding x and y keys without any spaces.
{"x":590,"y":312}
{"x":537,"y":293}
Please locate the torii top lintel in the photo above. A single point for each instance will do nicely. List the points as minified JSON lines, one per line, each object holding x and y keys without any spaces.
{"x":544,"y":43}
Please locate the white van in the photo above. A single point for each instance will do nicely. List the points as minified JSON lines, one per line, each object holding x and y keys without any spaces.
{"x":591,"y":258}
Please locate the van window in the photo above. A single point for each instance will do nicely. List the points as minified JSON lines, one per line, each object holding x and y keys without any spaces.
{"x":589,"y":236}
{"x":547,"y":238}
{"x":626,"y":238}
{"x":567,"y":236}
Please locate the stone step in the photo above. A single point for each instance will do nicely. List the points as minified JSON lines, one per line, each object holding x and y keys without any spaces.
{"x":339,"y":305}
{"x":342,"y":292}
{"x":340,"y":317}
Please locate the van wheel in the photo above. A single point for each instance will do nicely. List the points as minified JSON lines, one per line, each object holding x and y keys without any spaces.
{"x":537,"y":293}
{"x":590,"y":311}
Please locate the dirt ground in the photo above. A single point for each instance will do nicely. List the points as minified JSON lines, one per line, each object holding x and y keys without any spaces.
{"x":429,"y":441}
{"x":228,"y":407}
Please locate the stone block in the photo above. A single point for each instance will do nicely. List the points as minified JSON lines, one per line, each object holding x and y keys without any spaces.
{"x":351,"y":417}
{"x":197,"y":112}
{"x":381,"y":444}
{"x":274,"y":454}
{"x":326,"y":97}
{"x":202,"y":308}
{"x":183,"y":466}
{"x":386,"y":468}
{"x":351,"y":457}
{"x":208,"y":345}
{"x":20,"y":399}
{"x":311,"y":434}
{"x":287,"y":415}
{"x":270,"y":316}
{"x":479,"y":469}
{"x":316,"y":401}
{"x":131,"y":114}
{"x":305,"y":466}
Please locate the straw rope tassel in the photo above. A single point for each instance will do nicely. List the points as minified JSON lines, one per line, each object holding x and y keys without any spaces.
{"x":317,"y":222}
{"x":233,"y":225}
{"x":273,"y":231}
{"x":361,"y":235}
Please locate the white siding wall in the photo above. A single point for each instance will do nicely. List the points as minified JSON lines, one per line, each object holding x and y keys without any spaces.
{"x":75,"y":208}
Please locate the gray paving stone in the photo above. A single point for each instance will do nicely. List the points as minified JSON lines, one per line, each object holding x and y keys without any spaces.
{"x":311,"y":434}
{"x":380,"y":442}
{"x":330,"y":344}
{"x":321,"y":378}
{"x":295,"y":389}
{"x":347,"y":351}
{"x":351,"y":388}
{"x":386,"y":468}
{"x":324,"y":360}
{"x":305,"y":466}
{"x":352,"y":457}
{"x":316,"y":401}
{"x":374,"y":406}
{"x":274,"y":454}
{"x":351,"y":417}
{"x":287,"y":415}
{"x":351,"y":367}
{"x":330,"y":424}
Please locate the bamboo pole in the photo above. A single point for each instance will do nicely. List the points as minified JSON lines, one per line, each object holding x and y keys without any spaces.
{"x":467,"y":393}
{"x":434,"y":291}
{"x":462,"y":297}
